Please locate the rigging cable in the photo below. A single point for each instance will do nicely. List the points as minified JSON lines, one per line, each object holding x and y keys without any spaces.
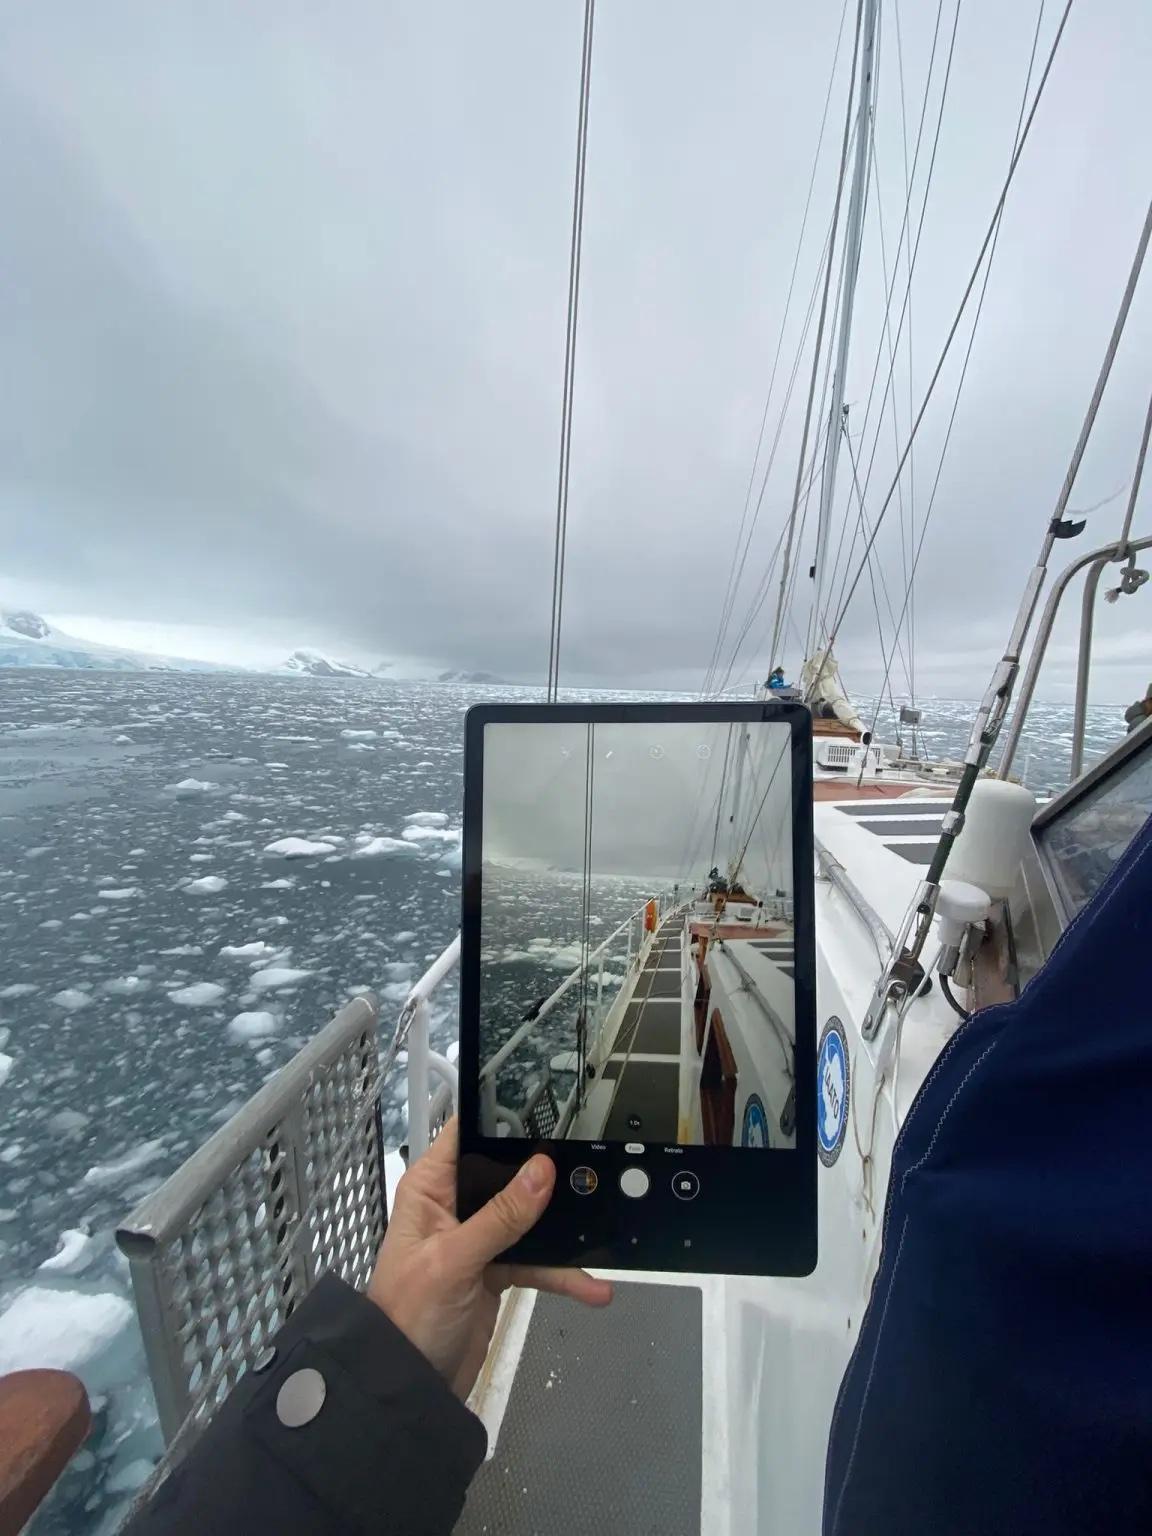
{"x":585,"y":918}
{"x":561,"y":536}
{"x":848,"y":118}
{"x":955,"y":326}
{"x":963,"y":372}
{"x":915,"y":251}
{"x":736,"y":569}
{"x":761,"y":591}
{"x":900,"y":243}
{"x":720,"y":799}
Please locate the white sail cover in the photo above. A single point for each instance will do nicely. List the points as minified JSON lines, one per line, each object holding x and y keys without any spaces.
{"x":820,"y":684}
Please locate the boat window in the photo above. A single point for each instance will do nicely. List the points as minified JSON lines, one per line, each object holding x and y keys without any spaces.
{"x":1082,"y":843}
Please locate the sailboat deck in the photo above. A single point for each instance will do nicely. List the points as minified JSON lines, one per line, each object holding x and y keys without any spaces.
{"x":639,"y":1082}
{"x":645,"y":1060}
{"x":603,"y":1428}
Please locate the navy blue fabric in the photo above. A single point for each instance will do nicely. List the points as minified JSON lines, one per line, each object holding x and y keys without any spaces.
{"x":1002,"y":1378}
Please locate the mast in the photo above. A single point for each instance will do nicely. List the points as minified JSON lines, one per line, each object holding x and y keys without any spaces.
{"x":852,"y":242}
{"x":737,"y":797}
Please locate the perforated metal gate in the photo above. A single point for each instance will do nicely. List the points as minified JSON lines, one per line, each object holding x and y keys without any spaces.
{"x":220,"y":1254}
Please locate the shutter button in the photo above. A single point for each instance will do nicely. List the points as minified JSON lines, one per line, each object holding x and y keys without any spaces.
{"x":300,"y":1398}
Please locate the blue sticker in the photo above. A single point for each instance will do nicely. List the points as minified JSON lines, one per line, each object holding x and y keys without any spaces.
{"x":832,"y":1090}
{"x":755,"y":1131}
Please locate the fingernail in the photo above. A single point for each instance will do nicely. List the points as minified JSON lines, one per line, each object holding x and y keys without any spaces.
{"x":535,"y":1175}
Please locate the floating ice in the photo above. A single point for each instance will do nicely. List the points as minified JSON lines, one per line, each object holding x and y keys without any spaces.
{"x":126,"y":986}
{"x":17,"y":989}
{"x":74,"y":1254}
{"x":71,"y":999}
{"x":361,"y":746}
{"x":207,"y":885}
{"x":299,"y":848}
{"x":6,"y":1065}
{"x":133,"y":1475}
{"x":275,"y":977}
{"x":65,"y":1122}
{"x":419,"y":833}
{"x":64,"y":1330}
{"x":377,"y":846}
{"x":253,"y":1026}
{"x":283,"y":884}
{"x":427,"y":819}
{"x":124,"y":894}
{"x":359,"y":735}
{"x":453,"y":1050}
{"x":254,"y":951}
{"x":105,"y":1175}
{"x":189,"y":787}
{"x":403,"y":938}
{"x":199,"y":995}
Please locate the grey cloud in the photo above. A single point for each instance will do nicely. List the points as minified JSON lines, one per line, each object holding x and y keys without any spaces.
{"x":282,"y":312}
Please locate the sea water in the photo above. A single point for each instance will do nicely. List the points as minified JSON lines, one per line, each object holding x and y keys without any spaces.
{"x":195,"y":873}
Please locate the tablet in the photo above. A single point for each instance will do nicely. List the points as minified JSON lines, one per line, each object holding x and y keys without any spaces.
{"x":638,"y":980}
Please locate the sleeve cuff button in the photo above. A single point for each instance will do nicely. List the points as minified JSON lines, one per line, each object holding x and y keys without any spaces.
{"x":300,"y":1398}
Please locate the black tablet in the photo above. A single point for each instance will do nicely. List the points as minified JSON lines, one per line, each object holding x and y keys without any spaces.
{"x":638,"y":980}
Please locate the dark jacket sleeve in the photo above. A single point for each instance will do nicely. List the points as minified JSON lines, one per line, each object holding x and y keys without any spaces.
{"x":391,"y":1451}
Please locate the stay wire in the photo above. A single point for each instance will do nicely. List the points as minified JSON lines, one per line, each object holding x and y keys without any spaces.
{"x":901,"y":246}
{"x":955,"y":326}
{"x":736,"y":568}
{"x":849,"y":115}
{"x":574,"y":257}
{"x":907,"y":609}
{"x":907,"y":299}
{"x":585,"y":913}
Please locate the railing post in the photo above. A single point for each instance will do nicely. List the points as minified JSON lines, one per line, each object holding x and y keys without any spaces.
{"x":628,"y":962}
{"x":418,"y":1129}
{"x":600,"y":998}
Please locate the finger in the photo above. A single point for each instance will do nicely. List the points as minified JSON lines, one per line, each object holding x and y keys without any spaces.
{"x":576,"y":1283}
{"x":446,"y":1145}
{"x":505,"y":1218}
{"x":433,"y":1176}
{"x":439,"y":1162}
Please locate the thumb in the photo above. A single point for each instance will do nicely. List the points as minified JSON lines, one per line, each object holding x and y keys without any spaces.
{"x":511,"y":1213}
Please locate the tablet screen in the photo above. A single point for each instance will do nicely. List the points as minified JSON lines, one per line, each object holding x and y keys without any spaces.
{"x":638,"y":992}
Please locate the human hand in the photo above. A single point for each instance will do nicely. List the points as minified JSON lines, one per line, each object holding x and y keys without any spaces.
{"x":434,"y":1276}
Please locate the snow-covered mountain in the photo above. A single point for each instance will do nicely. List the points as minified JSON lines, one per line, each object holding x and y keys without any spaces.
{"x":27,"y":640}
{"x":473,"y":677}
{"x":316,"y":664}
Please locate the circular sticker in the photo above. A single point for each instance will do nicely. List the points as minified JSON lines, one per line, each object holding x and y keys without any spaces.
{"x":755,"y":1129}
{"x":832,"y":1089}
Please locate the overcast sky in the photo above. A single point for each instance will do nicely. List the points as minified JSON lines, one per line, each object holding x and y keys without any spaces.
{"x":282,"y":294}
{"x":654,"y":799}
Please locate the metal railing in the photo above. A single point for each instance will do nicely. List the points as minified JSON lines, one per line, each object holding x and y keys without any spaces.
{"x":1097,"y":559}
{"x":638,"y":942}
{"x":227,"y":1248}
{"x":292,"y":1187}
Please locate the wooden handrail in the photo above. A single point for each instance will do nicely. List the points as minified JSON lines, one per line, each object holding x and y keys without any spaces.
{"x":44,"y":1420}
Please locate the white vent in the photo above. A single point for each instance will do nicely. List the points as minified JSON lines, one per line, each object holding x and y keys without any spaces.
{"x":842,"y":754}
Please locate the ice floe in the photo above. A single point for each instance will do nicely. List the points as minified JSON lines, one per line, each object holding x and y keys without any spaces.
{"x":200,"y":994}
{"x":299,"y":848}
{"x":253,"y":1026}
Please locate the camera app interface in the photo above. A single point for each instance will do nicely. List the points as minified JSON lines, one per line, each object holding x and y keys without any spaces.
{"x":636,"y":931}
